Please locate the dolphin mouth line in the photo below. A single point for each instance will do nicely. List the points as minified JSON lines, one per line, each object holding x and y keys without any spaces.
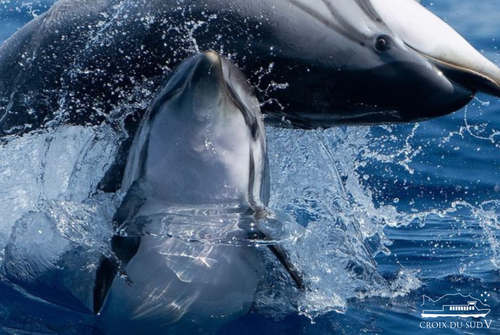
{"x":485,"y":83}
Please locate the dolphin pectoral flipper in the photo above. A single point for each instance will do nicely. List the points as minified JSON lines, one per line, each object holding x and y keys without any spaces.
{"x":124,"y":248}
{"x":259,"y":232}
{"x":292,"y":270}
{"x":105,"y":275}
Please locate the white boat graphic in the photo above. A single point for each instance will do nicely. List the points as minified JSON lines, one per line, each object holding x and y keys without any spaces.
{"x":463,"y":311}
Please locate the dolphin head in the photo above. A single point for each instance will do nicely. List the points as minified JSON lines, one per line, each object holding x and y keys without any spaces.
{"x":457,"y":71}
{"x":203,"y":139}
{"x":378,"y":61}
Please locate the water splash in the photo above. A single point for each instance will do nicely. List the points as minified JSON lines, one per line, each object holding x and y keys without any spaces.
{"x":338,"y":183}
{"x":314,"y":180}
{"x":227,"y":224}
{"x":67,"y":163}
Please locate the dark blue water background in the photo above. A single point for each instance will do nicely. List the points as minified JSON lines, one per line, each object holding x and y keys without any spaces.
{"x":442,"y":178}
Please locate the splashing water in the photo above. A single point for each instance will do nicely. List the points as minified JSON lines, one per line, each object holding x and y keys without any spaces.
{"x":64,"y":165}
{"x":341,"y":184}
{"x":314,"y":179}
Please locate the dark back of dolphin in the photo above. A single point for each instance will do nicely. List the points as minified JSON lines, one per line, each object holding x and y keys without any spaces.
{"x":91,"y":61}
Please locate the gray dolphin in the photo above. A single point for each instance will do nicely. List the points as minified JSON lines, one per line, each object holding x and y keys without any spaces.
{"x":198,"y":163}
{"x":328,"y":62}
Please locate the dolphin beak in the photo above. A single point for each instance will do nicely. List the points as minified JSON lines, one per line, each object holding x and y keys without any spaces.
{"x":208,"y":68}
{"x":441,"y":45}
{"x":474,"y":73}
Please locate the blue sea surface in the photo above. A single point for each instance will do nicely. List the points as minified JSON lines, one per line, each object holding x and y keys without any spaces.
{"x":393,"y":213}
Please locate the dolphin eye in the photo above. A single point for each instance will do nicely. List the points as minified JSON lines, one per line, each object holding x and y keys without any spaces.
{"x":383,"y":43}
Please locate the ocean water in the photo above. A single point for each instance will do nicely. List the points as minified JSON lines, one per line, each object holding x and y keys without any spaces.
{"x":391,"y":214}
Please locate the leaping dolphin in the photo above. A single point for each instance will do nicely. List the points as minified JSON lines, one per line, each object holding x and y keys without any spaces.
{"x":198,"y":163}
{"x":317,"y":63}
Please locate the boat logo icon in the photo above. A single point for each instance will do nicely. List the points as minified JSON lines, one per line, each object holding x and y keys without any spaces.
{"x":454,"y":305}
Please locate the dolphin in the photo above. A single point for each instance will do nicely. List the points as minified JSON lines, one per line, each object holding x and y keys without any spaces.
{"x":198,"y":163}
{"x":316,"y":63}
